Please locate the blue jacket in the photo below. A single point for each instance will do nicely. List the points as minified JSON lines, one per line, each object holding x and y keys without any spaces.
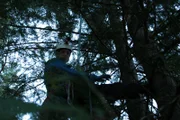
{"x":60,"y":65}
{"x":57,"y":77}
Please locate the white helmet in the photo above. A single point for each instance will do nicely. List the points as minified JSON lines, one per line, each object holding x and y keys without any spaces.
{"x":64,"y":45}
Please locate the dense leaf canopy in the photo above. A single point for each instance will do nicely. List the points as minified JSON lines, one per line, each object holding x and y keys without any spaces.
{"x":132,"y":40}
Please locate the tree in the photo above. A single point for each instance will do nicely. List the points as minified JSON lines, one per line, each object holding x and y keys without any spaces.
{"x":135,"y":40}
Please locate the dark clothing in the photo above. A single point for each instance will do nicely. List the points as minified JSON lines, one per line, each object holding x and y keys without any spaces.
{"x":68,"y":93}
{"x":60,"y":79}
{"x":56,"y":78}
{"x":65,"y":87}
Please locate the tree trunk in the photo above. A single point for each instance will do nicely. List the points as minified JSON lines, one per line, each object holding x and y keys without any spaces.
{"x":128,"y":75}
{"x":136,"y":107}
{"x":162,"y":85}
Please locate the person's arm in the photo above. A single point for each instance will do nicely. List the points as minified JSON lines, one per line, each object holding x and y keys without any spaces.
{"x":62,"y":67}
{"x":93,"y":77}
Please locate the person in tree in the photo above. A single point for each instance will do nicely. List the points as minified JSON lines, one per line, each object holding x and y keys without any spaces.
{"x":67,"y":88}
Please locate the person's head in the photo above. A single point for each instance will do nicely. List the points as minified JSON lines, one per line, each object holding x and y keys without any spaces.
{"x":63,"y":51}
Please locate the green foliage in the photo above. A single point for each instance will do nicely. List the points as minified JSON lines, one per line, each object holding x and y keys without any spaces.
{"x":10,"y":108}
{"x":30,"y":30}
